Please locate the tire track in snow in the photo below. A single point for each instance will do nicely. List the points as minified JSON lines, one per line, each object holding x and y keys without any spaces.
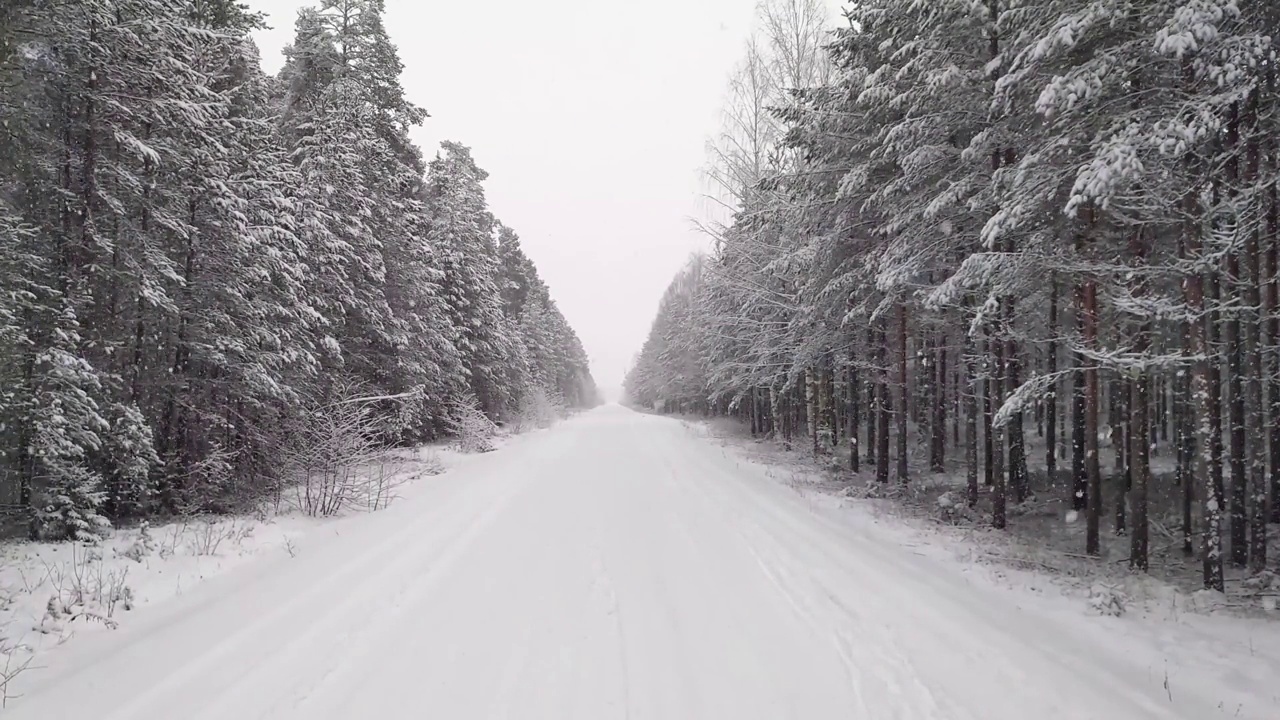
{"x":836,"y":628}
{"x":351,"y":582}
{"x":438,"y":561}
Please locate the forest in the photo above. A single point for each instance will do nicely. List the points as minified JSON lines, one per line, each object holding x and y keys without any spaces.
{"x":1031,"y":243}
{"x":198,"y":260}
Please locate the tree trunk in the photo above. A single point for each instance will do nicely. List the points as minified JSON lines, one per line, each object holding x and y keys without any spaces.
{"x":1051,"y":401}
{"x":988,"y":438}
{"x":1237,"y":512}
{"x":1238,"y":501}
{"x":1272,"y":318}
{"x":854,"y":412}
{"x":1079,"y":469}
{"x":1202,"y":382}
{"x":1185,"y":419}
{"x":1215,"y":494}
{"x":999,"y":484}
{"x":1119,"y":396}
{"x":904,"y":389}
{"x":1018,"y":480}
{"x":1255,"y":421}
{"x":833,"y":407}
{"x":811,"y":407}
{"x":938,"y":461}
{"x":873,"y":397}
{"x":1183,"y":415}
{"x":1139,"y":466}
{"x":1139,"y":432}
{"x":971,"y":422}
{"x":1088,"y":297}
{"x":753,"y":408}
{"x":884,"y":409}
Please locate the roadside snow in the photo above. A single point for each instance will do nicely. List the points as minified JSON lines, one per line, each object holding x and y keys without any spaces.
{"x":51,"y":593}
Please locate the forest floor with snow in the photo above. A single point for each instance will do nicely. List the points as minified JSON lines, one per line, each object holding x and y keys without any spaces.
{"x":53,"y":592}
{"x":1043,"y":534}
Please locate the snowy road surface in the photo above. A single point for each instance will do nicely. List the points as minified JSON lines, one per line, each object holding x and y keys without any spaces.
{"x":615,"y":566}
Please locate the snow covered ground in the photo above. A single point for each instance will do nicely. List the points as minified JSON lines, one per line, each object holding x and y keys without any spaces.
{"x":53,"y":593}
{"x":624,"y":566}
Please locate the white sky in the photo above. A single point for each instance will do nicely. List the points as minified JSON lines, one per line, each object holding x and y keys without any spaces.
{"x":591,"y":117}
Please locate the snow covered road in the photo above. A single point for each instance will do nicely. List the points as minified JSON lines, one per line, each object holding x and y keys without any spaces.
{"x":615,"y":566}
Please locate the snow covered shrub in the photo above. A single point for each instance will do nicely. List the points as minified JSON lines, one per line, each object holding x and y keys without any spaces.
{"x":129,"y":456}
{"x":142,"y":546}
{"x":472,"y":430}
{"x":1265,"y":581}
{"x":67,"y":508}
{"x":1107,"y":600}
{"x":953,"y":509}
{"x":540,"y":408}
{"x":66,"y":427}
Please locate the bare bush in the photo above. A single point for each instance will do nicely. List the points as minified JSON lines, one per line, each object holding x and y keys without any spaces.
{"x":430,"y":463}
{"x":472,"y":430}
{"x":84,"y":589}
{"x":342,"y":458}
{"x":16,"y":661}
{"x":385,"y":476}
{"x":208,"y":535}
{"x":209,"y":485}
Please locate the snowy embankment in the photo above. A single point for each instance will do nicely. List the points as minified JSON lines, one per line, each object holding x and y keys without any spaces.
{"x":1190,"y":643}
{"x":51,"y":593}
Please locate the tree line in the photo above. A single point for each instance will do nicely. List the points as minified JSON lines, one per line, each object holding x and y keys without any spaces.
{"x":197,"y":258}
{"x":1033,"y":239}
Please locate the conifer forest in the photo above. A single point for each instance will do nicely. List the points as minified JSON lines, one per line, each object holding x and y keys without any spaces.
{"x":198,"y":260}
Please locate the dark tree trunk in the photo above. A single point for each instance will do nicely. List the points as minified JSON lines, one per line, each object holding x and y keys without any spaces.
{"x":971,"y":422}
{"x":904,"y":389}
{"x":1139,"y":464}
{"x":884,"y":409}
{"x":1139,"y":432}
{"x":1272,"y":248}
{"x":873,"y":397}
{"x":1255,"y":420}
{"x":1079,"y":470}
{"x":1018,"y":480}
{"x":999,"y":479}
{"x":988,"y":439}
{"x":1120,"y":390}
{"x":1186,"y":439}
{"x":1089,"y":325}
{"x":1238,"y":501}
{"x":854,"y":411}
{"x":938,"y":462}
{"x":1051,"y":401}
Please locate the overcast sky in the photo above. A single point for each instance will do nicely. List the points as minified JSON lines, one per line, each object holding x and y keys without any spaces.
{"x":591,"y":117}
